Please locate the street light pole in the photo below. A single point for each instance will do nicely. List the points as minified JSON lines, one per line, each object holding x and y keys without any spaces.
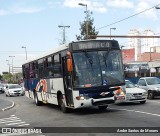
{"x":25,"y":51}
{"x":64,"y":36}
{"x":81,"y":4}
{"x":151,"y":54}
{"x":110,"y":31}
{"x":8,"y":66}
{"x":12,"y":62}
{"x":122,"y":47}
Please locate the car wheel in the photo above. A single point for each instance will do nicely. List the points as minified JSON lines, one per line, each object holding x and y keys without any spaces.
{"x":150,"y":95}
{"x":142,"y":102}
{"x":102,"y":108}
{"x":9,"y":94}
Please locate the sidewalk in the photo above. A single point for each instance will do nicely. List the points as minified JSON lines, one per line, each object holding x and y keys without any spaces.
{"x":5,"y":104}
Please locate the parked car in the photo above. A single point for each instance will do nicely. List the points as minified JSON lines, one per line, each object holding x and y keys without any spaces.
{"x":14,"y":90}
{"x":1,"y":89}
{"x":151,"y":85}
{"x":133,"y":94}
{"x":4,"y":87}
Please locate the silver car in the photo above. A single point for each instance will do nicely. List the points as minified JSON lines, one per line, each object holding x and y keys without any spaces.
{"x":151,"y":85}
{"x":1,"y":88}
{"x":14,"y":90}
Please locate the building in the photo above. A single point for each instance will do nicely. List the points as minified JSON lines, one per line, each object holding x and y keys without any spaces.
{"x":144,"y":49}
{"x":134,"y":42}
{"x":148,"y":43}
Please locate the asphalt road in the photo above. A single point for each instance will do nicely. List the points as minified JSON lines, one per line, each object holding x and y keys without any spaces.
{"x":26,"y":114}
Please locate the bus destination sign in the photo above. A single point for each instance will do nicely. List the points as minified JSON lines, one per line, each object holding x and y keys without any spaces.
{"x":91,"y":45}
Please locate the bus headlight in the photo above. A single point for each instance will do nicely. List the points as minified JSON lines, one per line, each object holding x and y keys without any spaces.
{"x":120,"y":91}
{"x":82,"y":97}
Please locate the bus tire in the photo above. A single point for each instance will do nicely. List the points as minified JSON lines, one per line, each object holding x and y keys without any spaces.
{"x":102,"y":108}
{"x":64,"y":109}
{"x":38,"y":103}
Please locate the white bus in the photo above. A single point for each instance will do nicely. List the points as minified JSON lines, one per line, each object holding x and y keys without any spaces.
{"x":76,"y":75}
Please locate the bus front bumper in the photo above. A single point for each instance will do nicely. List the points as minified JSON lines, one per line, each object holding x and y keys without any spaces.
{"x":93,"y":102}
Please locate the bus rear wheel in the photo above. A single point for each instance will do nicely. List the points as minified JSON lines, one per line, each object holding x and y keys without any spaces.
{"x":38,"y":103}
{"x":64,"y":109}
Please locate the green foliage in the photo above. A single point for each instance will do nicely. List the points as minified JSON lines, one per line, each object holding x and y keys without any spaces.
{"x":12,"y":78}
{"x":91,"y":28}
{"x":1,"y":77}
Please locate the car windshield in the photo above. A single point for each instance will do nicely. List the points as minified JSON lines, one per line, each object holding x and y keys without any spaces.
{"x":97,"y":68}
{"x":129,"y":84}
{"x":153,"y":81}
{"x":14,"y":86}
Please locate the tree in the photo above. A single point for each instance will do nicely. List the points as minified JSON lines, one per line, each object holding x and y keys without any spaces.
{"x":91,"y":28}
{"x":0,"y":77}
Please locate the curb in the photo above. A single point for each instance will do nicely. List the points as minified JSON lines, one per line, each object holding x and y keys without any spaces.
{"x":7,"y":108}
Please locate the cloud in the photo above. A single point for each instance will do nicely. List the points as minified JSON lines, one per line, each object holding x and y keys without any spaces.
{"x":95,"y":5}
{"x":19,"y":8}
{"x":120,"y":3}
{"x":52,"y":4}
{"x":4,"y":12}
{"x":148,"y":14}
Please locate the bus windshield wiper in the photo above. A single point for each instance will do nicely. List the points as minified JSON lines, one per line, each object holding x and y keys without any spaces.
{"x":105,"y":57}
{"x":88,"y":58}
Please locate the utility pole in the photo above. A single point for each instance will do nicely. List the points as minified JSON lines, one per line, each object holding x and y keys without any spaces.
{"x":8,"y":66}
{"x":64,"y":36}
{"x":12,"y":62}
{"x":110,"y":31}
{"x":25,"y":51}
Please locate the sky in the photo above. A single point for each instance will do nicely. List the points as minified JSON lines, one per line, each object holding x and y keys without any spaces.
{"x":34,"y":24}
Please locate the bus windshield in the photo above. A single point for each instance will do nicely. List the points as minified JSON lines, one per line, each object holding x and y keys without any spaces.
{"x":97,"y":68}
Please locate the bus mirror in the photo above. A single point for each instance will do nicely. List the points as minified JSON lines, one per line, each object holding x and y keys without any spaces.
{"x":69,"y":62}
{"x":69,"y":65}
{"x":69,"y":55}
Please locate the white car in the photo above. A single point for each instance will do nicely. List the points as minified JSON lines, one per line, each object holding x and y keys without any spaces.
{"x":14,"y":90}
{"x":133,"y":94}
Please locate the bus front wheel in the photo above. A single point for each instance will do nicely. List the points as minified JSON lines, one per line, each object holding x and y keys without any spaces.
{"x":64,"y":109}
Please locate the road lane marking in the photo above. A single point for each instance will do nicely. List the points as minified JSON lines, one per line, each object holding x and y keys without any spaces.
{"x":148,"y":113}
{"x":15,"y":123}
{"x":10,"y":121}
{"x":11,"y":118}
{"x":23,"y":125}
{"x":9,"y":107}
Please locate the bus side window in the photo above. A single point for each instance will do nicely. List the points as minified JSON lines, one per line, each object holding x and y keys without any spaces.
{"x":40,"y":68}
{"x":57,"y":66}
{"x":50,"y":66}
{"x":36,"y":69}
{"x":45,"y":66}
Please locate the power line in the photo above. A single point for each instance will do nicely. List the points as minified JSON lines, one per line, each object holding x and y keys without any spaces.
{"x":129,"y":17}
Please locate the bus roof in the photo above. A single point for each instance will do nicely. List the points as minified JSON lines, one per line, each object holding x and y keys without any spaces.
{"x":54,"y":50}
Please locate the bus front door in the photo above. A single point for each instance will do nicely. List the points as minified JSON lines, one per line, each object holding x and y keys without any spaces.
{"x":67,"y":80}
